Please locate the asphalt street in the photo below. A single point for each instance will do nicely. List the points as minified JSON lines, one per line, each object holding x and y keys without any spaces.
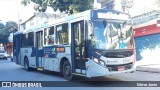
{"x":9,"y":71}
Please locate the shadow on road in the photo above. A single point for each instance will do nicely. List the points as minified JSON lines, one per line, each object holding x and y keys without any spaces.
{"x":76,"y":78}
{"x":12,"y":68}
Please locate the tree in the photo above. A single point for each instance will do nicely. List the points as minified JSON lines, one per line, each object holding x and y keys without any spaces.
{"x":4,"y":34}
{"x":11,"y":26}
{"x":1,"y":25}
{"x":5,"y":31}
{"x":67,"y":6}
{"x":126,"y":5}
{"x":157,"y":2}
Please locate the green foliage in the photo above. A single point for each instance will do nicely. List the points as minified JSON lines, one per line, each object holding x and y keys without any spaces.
{"x":67,"y":6}
{"x":6,"y":29}
{"x":11,"y":26}
{"x":25,"y":2}
{"x":4,"y":34}
{"x":1,"y":25}
{"x":126,"y":5}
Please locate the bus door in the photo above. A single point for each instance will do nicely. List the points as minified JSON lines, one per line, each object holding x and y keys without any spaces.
{"x":39,"y":50}
{"x":78,"y":47}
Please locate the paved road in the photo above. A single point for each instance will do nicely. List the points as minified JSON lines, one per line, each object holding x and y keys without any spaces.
{"x":9,"y":71}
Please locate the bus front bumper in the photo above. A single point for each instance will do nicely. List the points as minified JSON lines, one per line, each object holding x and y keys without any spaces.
{"x":96,"y":70}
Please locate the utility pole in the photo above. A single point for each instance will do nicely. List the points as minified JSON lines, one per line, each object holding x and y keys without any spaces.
{"x":18,"y":15}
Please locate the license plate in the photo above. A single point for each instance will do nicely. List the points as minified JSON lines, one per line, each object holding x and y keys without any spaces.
{"x":121,"y":69}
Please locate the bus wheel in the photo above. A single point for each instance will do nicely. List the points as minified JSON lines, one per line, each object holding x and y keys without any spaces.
{"x":67,"y":71}
{"x":26,"y":64}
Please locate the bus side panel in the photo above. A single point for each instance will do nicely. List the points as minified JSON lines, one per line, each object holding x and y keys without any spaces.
{"x":22,"y":57}
{"x":62,"y":55}
{"x":30,"y":54}
{"x":53,"y":64}
{"x":53,"y":57}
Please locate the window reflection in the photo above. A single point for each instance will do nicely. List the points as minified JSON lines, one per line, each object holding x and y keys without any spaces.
{"x":112,"y":35}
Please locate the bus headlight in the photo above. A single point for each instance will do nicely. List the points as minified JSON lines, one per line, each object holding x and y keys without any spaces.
{"x":96,"y":60}
{"x":102,"y":63}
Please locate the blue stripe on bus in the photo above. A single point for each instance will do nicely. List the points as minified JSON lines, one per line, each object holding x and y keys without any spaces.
{"x":33,"y":54}
{"x":40,"y":53}
{"x":52,"y":51}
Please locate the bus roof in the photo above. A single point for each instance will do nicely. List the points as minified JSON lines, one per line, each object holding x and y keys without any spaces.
{"x":71,"y":17}
{"x":19,"y":32}
{"x":52,"y":22}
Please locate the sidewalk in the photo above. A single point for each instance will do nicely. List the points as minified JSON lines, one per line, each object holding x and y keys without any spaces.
{"x":145,"y":66}
{"x":149,"y":68}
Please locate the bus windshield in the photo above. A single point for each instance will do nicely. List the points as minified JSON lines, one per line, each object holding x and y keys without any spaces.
{"x":112,"y":35}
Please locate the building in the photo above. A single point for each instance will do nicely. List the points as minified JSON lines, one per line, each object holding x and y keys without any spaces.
{"x":147,"y":37}
{"x":121,"y":5}
{"x":35,"y":19}
{"x":38,"y":18}
{"x":9,"y":44}
{"x":110,"y":4}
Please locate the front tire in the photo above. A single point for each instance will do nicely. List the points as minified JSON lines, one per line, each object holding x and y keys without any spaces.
{"x":67,"y":71}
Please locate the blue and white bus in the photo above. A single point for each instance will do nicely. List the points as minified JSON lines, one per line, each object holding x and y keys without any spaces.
{"x":91,"y":43}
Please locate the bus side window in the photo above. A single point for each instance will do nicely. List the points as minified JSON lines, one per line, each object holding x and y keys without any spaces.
{"x":62,"y":34}
{"x":30,"y":39}
{"x":51,"y":36}
{"x":40,"y":39}
{"x":45,"y":36}
{"x":24,"y":41}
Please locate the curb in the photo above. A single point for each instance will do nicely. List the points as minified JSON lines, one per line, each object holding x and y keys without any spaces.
{"x":148,"y":69}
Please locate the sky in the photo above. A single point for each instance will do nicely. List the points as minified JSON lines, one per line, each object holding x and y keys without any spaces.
{"x":9,"y":10}
{"x":13,"y":10}
{"x":142,"y":6}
